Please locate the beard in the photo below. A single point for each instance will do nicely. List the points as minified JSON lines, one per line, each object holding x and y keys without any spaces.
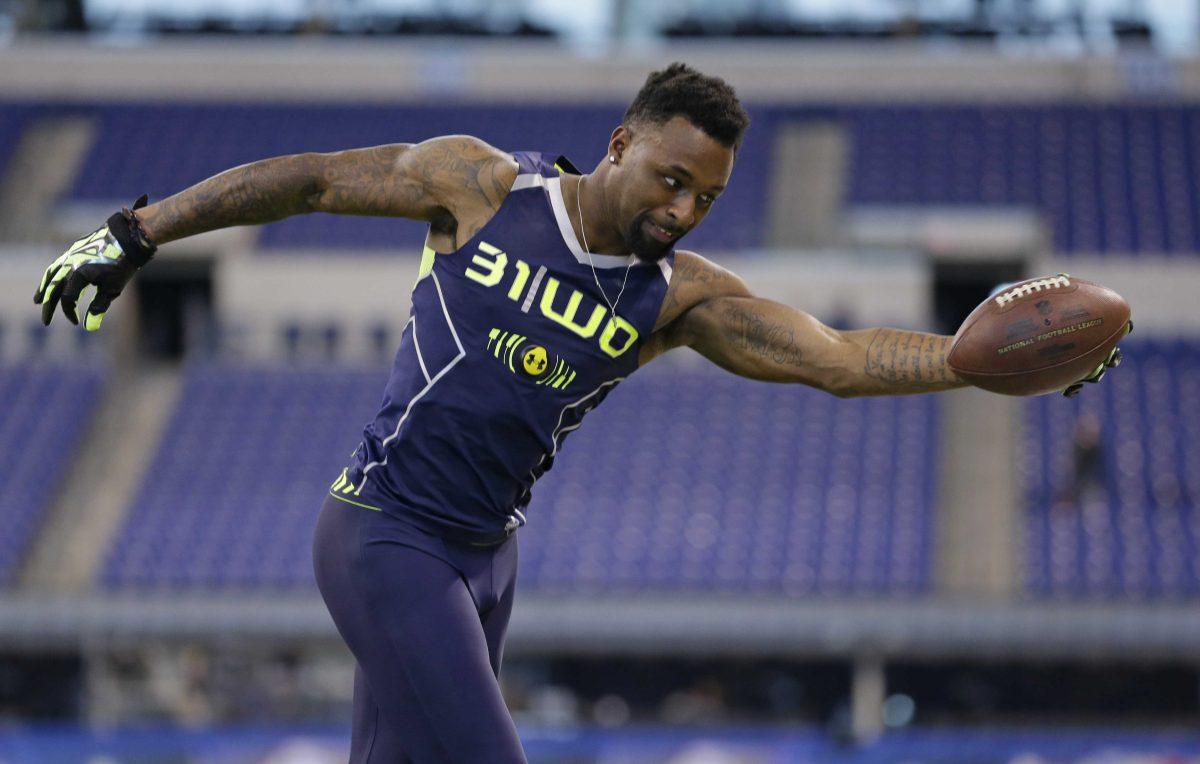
{"x":646,"y":247}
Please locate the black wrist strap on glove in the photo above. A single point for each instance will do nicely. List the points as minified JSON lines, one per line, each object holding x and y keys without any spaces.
{"x":127,"y":230}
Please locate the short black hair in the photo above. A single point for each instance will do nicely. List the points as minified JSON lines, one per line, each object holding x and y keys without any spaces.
{"x":707,"y":102}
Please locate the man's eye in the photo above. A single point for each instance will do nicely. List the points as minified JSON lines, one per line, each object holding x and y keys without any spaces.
{"x":671,"y":182}
{"x":707,"y":200}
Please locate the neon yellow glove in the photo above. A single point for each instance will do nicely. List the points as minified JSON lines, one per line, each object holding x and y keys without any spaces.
{"x":1112,"y":362}
{"x":106,"y":258}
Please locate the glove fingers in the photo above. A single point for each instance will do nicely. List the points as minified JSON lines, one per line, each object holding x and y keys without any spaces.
{"x":97,"y":309}
{"x":1111,"y":362}
{"x":52,"y":292}
{"x":70,"y":294}
{"x":40,"y":293}
{"x":41,"y":290}
{"x":48,"y":307}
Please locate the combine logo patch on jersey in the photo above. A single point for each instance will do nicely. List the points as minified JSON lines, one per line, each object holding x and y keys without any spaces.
{"x":534,"y":361}
{"x":529,"y":360}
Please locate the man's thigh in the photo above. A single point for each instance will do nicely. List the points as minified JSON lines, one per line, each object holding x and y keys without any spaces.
{"x":413,"y":627}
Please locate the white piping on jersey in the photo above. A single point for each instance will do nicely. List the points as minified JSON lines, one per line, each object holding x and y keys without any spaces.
{"x":528,"y":180}
{"x":537,"y":282}
{"x":560,"y":430}
{"x":665,"y":267}
{"x":417,"y":345}
{"x":558,"y":204}
{"x":421,"y":394}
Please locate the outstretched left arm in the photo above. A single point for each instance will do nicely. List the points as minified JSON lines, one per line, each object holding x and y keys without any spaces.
{"x":716,"y":315}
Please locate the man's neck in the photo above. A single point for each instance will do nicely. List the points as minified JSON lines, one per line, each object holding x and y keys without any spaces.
{"x":586,"y":207}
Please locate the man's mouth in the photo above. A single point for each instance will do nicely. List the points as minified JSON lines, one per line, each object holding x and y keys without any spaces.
{"x":660,"y":233}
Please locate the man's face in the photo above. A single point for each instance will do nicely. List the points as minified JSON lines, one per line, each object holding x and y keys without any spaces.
{"x":669,"y":176}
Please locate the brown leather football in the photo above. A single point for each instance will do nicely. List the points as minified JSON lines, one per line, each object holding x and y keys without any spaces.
{"x":1038,"y":336}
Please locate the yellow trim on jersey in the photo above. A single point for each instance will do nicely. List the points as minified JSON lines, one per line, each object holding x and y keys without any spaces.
{"x":355,"y":503}
{"x":341,"y":481}
{"x":427,"y":258}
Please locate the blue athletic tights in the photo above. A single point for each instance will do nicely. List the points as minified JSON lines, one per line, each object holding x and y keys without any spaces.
{"x":425,"y":618}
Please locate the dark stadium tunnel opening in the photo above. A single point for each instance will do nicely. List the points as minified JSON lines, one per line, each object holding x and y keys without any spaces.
{"x":41,"y":686}
{"x":175,"y":310}
{"x":958,"y":287}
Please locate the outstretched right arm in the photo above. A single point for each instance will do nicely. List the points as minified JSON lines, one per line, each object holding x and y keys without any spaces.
{"x":455,"y":182}
{"x":448,"y":181}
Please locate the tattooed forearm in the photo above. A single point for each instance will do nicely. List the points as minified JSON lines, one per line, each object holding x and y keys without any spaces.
{"x":765,"y":340}
{"x":752,"y":332}
{"x":254,"y":193}
{"x":909,"y":360}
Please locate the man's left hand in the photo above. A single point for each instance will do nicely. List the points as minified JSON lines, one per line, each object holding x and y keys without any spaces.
{"x":1111,"y":362}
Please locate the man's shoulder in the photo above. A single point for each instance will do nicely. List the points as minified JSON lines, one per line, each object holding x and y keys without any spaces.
{"x":693,"y":268}
{"x":470,"y":177}
{"x":464,"y":166}
{"x":694,"y":279}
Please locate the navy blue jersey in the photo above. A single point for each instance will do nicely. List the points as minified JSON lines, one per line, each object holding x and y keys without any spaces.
{"x":510,"y":343}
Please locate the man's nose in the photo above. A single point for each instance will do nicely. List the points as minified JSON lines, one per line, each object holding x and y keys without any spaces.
{"x":682,"y":212}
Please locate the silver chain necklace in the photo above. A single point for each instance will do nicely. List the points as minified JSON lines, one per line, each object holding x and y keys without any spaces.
{"x":583,"y":230}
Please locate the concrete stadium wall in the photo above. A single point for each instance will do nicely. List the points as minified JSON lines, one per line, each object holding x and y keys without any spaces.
{"x":336,"y":70}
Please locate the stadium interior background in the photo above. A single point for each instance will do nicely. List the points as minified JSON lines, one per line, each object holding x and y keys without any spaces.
{"x":717,"y":570}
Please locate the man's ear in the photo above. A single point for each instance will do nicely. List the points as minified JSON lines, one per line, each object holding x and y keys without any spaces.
{"x":619,"y":143}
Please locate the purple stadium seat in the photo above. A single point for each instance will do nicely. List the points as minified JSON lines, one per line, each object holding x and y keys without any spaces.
{"x":1124,"y":523}
{"x":1107,"y":178}
{"x":687,"y":480}
{"x":1112,"y":178}
{"x":47,"y":409}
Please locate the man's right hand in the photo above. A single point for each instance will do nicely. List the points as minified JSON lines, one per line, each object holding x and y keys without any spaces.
{"x":107,"y":258}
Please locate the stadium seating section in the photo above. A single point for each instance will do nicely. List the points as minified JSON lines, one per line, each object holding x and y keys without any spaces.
{"x":46,"y":412}
{"x":1119,"y":179}
{"x":1129,"y":526}
{"x":708,"y":482}
{"x":687,"y":480}
{"x":231,"y":498}
{"x":1078,"y":165}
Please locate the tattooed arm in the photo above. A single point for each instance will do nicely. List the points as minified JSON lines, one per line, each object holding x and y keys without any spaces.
{"x":712,"y":311}
{"x":455,"y":182}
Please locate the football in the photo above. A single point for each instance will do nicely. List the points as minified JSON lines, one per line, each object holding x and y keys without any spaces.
{"x":1038,"y":336}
